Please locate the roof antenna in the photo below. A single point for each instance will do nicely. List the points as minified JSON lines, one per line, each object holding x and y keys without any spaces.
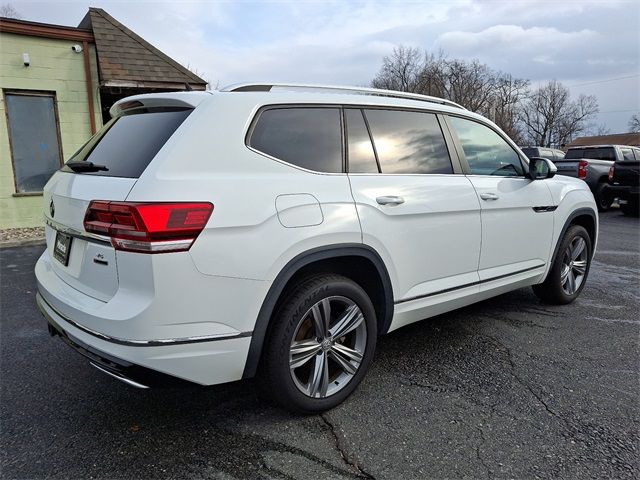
{"x":187,"y":87}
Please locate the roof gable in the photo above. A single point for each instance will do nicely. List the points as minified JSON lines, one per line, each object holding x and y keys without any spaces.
{"x":124,"y":56}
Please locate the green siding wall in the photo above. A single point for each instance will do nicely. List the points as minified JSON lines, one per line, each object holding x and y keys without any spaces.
{"x":54,"y":68}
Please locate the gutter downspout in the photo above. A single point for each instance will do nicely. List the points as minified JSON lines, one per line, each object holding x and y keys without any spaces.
{"x":89,"y":82}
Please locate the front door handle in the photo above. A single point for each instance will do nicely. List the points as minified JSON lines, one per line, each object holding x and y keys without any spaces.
{"x":489,"y":196}
{"x":390,"y":200}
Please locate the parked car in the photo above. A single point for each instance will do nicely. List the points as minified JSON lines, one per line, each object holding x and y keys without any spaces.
{"x":279,"y":230}
{"x":552,"y":154}
{"x":592,"y":164}
{"x":624,"y":180}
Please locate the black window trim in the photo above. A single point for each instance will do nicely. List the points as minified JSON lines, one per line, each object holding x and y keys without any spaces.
{"x":456,"y":161}
{"x":463,"y":159}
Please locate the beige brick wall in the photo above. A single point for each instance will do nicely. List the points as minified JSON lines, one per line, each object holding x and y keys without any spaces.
{"x":54,"y":68}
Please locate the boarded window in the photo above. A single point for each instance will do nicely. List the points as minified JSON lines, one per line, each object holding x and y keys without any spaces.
{"x":33,"y":132}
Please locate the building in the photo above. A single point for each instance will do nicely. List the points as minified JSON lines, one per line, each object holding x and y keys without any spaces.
{"x":632,"y":139}
{"x":58,"y":84}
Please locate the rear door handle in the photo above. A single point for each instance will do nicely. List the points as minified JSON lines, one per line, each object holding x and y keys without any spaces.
{"x":390,"y":200}
{"x":489,"y":196}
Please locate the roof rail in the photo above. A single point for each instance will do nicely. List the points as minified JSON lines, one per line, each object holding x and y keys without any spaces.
{"x":266,"y":87}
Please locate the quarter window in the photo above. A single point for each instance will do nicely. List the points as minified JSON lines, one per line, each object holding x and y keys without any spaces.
{"x":487,"y":153}
{"x":408,"y":142}
{"x":310,"y":138}
{"x":362,"y":158}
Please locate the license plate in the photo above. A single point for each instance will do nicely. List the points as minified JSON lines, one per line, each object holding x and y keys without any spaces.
{"x":62,"y":247}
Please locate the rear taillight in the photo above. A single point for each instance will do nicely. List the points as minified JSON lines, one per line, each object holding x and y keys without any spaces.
{"x":148,"y":227}
{"x":612,"y":171}
{"x":582,"y":169}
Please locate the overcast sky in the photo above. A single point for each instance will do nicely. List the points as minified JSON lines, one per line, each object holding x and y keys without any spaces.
{"x":591,"y":46}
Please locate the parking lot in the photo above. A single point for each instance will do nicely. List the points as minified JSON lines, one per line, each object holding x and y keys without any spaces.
{"x":505,"y":388}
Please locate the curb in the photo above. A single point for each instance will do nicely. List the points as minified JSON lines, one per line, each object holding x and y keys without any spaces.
{"x":26,"y":242}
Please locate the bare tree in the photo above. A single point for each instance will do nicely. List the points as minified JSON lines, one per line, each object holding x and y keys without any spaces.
{"x":401,"y":71}
{"x":8,"y":11}
{"x":549,"y":116}
{"x":634,"y":124}
{"x":469,"y":83}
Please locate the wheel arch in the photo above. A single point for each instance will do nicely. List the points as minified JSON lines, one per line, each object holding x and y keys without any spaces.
{"x":585,"y":217}
{"x":341,"y":259}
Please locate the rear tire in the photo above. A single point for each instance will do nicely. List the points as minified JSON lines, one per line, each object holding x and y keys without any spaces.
{"x":570,"y":268}
{"x":602,"y":197}
{"x":320,"y":345}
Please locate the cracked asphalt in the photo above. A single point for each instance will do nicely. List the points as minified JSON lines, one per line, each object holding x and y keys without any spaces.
{"x":505,"y":388}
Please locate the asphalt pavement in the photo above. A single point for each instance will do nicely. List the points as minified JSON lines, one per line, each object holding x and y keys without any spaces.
{"x":507,"y":388}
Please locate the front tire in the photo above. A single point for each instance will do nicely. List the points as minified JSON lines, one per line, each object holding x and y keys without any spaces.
{"x":321,"y":344}
{"x":570,"y":268}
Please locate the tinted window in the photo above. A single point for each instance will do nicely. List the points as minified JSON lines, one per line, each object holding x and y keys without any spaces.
{"x":530,"y":152}
{"x":362,"y":159}
{"x":486,"y":152}
{"x":607,"y":153}
{"x":127,"y":144}
{"x":34,"y":139}
{"x":408,"y":142}
{"x":307,"y":137}
{"x":574,"y":153}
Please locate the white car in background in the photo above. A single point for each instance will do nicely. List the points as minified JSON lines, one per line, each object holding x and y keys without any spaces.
{"x":278,"y":230}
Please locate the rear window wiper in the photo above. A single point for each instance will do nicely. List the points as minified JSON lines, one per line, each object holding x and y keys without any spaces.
{"x":84,"y":166}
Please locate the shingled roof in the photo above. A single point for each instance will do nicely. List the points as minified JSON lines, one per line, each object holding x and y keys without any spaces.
{"x":127,"y":60}
{"x":632,"y":139}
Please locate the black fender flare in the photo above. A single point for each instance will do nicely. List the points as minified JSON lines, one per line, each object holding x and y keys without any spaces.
{"x":290,"y":269}
{"x":568,"y":222}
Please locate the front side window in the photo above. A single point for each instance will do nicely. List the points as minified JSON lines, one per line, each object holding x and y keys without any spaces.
{"x":487,"y":153}
{"x":409,"y":142}
{"x":308,"y":137}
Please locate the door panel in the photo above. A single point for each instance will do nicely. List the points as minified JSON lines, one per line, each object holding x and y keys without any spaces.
{"x":432,"y":239}
{"x":514,"y":236}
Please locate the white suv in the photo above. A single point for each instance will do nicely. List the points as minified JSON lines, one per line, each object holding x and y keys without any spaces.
{"x":277,"y":230}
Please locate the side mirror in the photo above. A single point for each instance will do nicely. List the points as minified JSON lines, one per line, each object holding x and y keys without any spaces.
{"x":540,"y":168}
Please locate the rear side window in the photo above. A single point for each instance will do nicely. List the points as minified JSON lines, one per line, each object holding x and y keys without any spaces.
{"x":307,"y":137}
{"x":487,"y":153}
{"x":127,"y":144}
{"x":362,"y":158}
{"x":627,"y":155}
{"x":408,"y":142}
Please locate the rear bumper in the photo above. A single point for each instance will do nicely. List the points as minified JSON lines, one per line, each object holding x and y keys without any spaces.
{"x":144,"y":365}
{"x":624,"y":193}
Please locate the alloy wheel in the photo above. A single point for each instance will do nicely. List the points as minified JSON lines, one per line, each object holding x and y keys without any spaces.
{"x":574,"y":266}
{"x":328,"y":347}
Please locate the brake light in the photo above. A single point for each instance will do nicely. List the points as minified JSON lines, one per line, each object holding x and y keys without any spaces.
{"x":612,"y":171}
{"x":148,"y":227}
{"x":582,"y":169}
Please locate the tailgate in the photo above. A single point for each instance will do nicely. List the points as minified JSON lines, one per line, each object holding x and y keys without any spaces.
{"x":627,"y":174}
{"x":90,"y":261}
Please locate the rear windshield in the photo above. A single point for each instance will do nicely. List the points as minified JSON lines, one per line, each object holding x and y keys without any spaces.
{"x":127,"y":144}
{"x":604,"y":153}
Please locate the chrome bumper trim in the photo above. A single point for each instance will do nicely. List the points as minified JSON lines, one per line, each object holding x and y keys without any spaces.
{"x":41,"y":302}
{"x":122,"y":379}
